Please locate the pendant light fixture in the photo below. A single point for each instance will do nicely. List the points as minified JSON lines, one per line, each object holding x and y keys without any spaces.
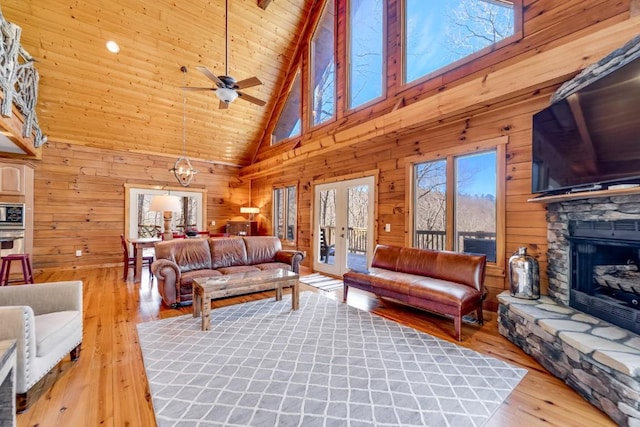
{"x":182,"y":168}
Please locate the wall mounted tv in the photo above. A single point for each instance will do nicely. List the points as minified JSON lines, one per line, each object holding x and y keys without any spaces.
{"x":591,"y":139}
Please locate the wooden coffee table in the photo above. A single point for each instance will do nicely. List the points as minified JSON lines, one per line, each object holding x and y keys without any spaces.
{"x":207,"y":288}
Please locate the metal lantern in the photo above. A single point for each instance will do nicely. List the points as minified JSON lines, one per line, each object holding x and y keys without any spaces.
{"x":524,"y":275}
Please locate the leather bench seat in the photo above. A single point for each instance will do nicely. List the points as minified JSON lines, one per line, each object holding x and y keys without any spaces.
{"x":449,"y":283}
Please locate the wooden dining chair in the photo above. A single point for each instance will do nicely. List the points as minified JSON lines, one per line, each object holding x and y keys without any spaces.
{"x":130,"y":261}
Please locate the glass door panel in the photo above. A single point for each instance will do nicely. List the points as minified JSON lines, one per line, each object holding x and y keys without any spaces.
{"x":326,"y":226}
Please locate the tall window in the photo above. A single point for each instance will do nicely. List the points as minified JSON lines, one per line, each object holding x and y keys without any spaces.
{"x":323,"y":68}
{"x":285,"y":212}
{"x":466,"y":185}
{"x":366,"y":51}
{"x":141,"y":222}
{"x":289,"y":123}
{"x":438,"y":33}
{"x":150,"y":222}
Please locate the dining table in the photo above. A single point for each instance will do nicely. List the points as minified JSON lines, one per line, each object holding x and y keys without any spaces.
{"x":139,"y":243}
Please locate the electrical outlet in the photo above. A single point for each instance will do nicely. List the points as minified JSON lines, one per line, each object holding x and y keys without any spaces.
{"x":387,"y":228}
{"x":79,"y":252}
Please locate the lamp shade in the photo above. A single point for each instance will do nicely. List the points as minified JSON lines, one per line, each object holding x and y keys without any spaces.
{"x":249,"y":210}
{"x":226,"y":95}
{"x":165,"y":203}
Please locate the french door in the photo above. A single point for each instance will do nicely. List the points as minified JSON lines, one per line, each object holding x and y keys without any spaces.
{"x":343,"y":221}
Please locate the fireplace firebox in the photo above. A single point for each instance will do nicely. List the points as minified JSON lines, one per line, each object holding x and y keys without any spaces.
{"x":605,"y":270}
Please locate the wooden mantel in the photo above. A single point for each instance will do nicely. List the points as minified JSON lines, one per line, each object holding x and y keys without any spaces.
{"x":585,"y":195}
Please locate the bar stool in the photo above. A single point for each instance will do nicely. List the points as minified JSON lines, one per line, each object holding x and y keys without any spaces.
{"x":5,"y":270}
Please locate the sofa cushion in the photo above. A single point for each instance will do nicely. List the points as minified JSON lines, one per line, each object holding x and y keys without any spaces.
{"x":238,"y":269}
{"x":273,"y":266}
{"x":188,"y":254}
{"x":227,"y":252}
{"x":418,"y":261}
{"x":186,"y":279}
{"x":444,"y":292}
{"x":54,"y":328}
{"x":261,"y":249}
{"x":386,"y":257}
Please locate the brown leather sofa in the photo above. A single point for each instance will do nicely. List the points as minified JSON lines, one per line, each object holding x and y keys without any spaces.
{"x":450,"y":283}
{"x":180,"y":261}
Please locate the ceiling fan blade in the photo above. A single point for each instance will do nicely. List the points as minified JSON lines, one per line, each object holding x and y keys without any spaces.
{"x":197,"y":88}
{"x":250,"y":82}
{"x":213,"y":77}
{"x":223,"y":105}
{"x":251,"y":99}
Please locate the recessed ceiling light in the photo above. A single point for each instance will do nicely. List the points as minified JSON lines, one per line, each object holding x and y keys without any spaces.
{"x":113,"y":46}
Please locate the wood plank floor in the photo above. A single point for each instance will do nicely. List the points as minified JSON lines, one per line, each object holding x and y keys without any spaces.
{"x":108,"y":387}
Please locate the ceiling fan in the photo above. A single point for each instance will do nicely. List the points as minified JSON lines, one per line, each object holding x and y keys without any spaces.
{"x":227,"y":89}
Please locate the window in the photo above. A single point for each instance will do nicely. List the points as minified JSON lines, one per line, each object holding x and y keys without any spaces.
{"x":141,"y":222}
{"x":366,"y":51}
{"x":455,"y":203}
{"x":289,"y":123}
{"x":438,"y":33}
{"x":323,"y":67}
{"x":285,"y":212}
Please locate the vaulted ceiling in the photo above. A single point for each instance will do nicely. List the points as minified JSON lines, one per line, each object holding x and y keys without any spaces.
{"x":132,"y":100}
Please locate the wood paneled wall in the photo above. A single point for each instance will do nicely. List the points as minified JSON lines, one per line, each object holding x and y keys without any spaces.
{"x":374,"y":138}
{"x":80,"y":200}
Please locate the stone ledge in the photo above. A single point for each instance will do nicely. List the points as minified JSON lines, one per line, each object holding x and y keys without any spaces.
{"x":598,"y":360}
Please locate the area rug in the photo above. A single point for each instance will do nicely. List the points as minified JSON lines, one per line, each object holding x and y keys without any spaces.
{"x":326,"y":364}
{"x":320,"y":281}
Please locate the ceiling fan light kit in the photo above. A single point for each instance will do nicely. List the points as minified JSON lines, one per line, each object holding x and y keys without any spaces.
{"x":226,"y":95}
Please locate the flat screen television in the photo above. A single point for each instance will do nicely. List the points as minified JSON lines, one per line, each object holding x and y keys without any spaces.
{"x":590,"y":139}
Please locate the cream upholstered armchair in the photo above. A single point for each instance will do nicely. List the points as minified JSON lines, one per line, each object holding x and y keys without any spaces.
{"x":46,"y":322}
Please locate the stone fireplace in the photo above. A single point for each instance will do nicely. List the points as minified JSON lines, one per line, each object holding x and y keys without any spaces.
{"x":593,"y":257}
{"x":585,"y":330}
{"x":604,"y":278}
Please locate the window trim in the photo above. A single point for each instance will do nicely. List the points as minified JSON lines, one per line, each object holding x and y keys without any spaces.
{"x":518,"y":34}
{"x":348,"y":108}
{"x":310,"y":98}
{"x":284,"y":188}
{"x":500,"y":145}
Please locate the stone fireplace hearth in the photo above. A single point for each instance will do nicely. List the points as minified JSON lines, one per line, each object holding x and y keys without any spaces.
{"x":572,"y":337}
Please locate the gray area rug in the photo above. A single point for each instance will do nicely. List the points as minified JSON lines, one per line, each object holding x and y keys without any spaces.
{"x":320,"y":281}
{"x":327,"y":364}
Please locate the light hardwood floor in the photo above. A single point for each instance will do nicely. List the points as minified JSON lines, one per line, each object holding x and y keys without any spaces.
{"x":108,"y":387}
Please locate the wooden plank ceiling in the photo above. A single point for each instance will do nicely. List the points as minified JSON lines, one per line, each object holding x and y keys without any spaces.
{"x":132,"y":100}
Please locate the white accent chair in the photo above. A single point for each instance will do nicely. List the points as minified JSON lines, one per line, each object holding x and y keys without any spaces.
{"x":46,"y":322}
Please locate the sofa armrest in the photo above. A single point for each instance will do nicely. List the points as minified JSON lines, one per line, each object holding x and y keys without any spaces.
{"x":168,"y":275}
{"x":165,"y":269}
{"x":18,"y":323}
{"x":291,"y":257}
{"x":44,"y":297}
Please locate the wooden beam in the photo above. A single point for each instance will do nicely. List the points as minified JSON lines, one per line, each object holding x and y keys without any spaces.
{"x":264,"y":3}
{"x":548,"y":67}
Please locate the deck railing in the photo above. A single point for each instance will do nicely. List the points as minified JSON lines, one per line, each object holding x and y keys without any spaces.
{"x":472,"y":241}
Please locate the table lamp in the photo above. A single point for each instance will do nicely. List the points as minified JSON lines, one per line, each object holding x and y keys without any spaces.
{"x":167,"y":205}
{"x":250,"y":210}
